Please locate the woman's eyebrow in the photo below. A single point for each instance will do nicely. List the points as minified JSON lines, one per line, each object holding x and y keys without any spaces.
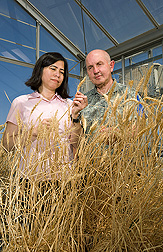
{"x":56,"y":67}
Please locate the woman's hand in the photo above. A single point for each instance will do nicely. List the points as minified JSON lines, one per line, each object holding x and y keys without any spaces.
{"x":79,"y":103}
{"x":46,"y":122}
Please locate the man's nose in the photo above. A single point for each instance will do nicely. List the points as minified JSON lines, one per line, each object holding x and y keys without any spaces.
{"x":95,"y":69}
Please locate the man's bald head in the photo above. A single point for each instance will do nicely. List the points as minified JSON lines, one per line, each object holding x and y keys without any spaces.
{"x":98,"y":52}
{"x":99,"y":68}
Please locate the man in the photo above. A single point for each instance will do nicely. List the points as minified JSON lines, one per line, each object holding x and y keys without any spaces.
{"x":99,"y":68}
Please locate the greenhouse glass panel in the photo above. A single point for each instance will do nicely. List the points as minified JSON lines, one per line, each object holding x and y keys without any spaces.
{"x":156,"y":9}
{"x":17,"y":32}
{"x":11,"y":9}
{"x":13,"y":78}
{"x":17,"y":52}
{"x":73,"y":83}
{"x":67,"y":17}
{"x":123,"y":19}
{"x":49,"y":44}
{"x":118,"y":65}
{"x":95,"y":38}
{"x":139,"y":57}
{"x":157,"y":51}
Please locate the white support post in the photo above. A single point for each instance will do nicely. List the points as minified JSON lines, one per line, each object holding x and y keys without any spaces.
{"x":37,"y":39}
{"x":123,"y":70}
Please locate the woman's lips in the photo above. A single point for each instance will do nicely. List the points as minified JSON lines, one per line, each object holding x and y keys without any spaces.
{"x":55,"y":80}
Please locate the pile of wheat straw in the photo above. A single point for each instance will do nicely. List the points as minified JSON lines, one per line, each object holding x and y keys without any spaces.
{"x":110,"y":198}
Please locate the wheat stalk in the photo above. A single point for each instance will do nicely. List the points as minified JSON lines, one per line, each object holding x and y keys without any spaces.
{"x":107,"y":199}
{"x":81,"y":83}
{"x":147,"y":80}
{"x":138,"y":87}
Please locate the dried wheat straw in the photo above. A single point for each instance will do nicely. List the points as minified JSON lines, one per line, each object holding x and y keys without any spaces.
{"x":109,"y":198}
{"x":131,"y":82}
{"x":147,"y":80}
{"x":138,"y":86}
{"x":81,"y":83}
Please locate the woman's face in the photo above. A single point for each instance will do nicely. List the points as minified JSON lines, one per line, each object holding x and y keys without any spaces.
{"x":53,"y":75}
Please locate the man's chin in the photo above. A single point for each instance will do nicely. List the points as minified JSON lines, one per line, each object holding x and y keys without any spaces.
{"x":97,"y":82}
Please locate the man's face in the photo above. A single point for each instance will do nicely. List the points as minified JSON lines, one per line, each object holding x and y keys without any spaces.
{"x":99,"y":67}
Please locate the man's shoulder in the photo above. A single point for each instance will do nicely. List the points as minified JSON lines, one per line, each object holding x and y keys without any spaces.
{"x":120,"y":86}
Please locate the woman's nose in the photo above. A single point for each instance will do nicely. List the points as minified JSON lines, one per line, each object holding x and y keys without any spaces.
{"x":57,"y":73}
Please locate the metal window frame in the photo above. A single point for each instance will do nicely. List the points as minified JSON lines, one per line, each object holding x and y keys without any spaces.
{"x":59,"y":36}
{"x":138,"y":44}
{"x":135,"y":45}
{"x":30,"y":65}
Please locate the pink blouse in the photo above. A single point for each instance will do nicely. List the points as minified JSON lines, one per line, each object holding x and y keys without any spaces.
{"x":33,"y":106}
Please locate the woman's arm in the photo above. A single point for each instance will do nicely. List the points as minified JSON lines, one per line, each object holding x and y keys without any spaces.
{"x":11,"y":133}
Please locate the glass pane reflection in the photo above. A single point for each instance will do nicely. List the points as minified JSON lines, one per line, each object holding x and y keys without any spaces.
{"x":12,"y":85}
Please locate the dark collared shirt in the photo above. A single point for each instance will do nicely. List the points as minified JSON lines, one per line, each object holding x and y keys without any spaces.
{"x":97,"y":104}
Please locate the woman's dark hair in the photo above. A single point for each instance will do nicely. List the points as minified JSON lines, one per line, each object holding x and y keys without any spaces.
{"x":45,"y":60}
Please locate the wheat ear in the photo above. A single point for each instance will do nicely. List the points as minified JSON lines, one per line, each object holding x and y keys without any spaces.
{"x":147,"y":80}
{"x":138,"y":86}
{"x":80,"y":84}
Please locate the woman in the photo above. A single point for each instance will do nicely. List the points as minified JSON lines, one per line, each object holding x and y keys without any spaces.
{"x":49,"y":100}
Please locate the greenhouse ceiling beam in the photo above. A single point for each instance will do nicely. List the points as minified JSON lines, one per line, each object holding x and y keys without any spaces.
{"x":148,"y":13}
{"x":59,"y":36}
{"x":16,"y":62}
{"x":138,"y":44}
{"x":113,"y":40}
{"x":30,"y":65}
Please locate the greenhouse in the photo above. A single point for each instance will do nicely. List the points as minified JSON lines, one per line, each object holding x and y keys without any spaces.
{"x":132,"y":34}
{"x":108,"y":194}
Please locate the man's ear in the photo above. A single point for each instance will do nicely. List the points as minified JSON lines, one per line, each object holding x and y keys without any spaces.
{"x":112,"y":62}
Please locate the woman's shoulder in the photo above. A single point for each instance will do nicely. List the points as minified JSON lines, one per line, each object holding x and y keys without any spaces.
{"x":21,"y":99}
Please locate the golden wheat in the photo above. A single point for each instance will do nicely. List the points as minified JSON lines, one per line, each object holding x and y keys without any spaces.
{"x":145,"y":89}
{"x":109,"y":198}
{"x":81,"y":83}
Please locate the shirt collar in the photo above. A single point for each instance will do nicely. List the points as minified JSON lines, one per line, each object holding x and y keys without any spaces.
{"x":115,"y":89}
{"x":38,"y":95}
